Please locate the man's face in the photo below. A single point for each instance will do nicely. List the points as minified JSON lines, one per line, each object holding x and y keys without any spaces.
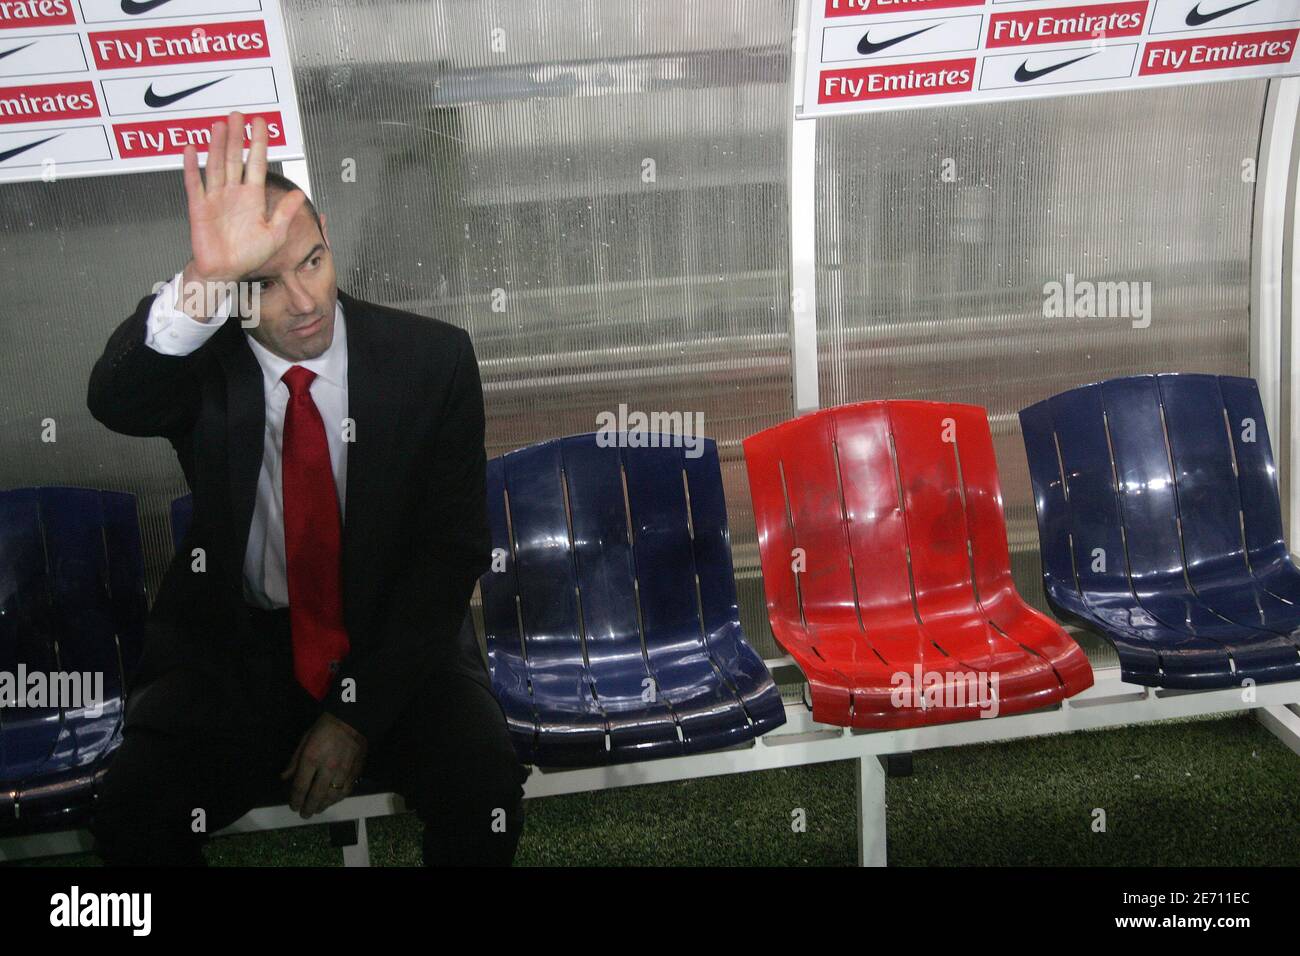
{"x":297,"y":292}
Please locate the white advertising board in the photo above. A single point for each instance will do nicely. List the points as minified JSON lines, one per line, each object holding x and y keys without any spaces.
{"x":888,"y":54}
{"x":97,"y":87}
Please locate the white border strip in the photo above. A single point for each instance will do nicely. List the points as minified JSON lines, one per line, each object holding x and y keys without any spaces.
{"x":802,"y":177}
{"x":1269,"y":318}
{"x":296,"y":170}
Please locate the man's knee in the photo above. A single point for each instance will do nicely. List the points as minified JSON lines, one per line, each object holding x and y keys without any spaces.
{"x":451,"y":757}
{"x":464,"y":783}
{"x":138,"y":819}
{"x":472,"y":818}
{"x":472,"y":805}
{"x":162,"y":795}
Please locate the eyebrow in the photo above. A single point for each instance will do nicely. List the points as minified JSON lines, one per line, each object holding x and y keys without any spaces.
{"x":314,"y":249}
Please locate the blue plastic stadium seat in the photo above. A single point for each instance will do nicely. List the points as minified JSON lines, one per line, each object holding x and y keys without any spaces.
{"x":1160,"y":527}
{"x":612,"y":627}
{"x":72,"y":600}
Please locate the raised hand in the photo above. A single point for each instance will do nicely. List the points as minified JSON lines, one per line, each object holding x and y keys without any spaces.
{"x":230,"y":232}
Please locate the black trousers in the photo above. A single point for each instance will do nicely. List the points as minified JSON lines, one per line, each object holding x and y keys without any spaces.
{"x":201,"y":749}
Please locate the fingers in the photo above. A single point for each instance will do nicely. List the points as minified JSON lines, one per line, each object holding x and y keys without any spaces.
{"x":193,"y":181}
{"x":235,"y":148}
{"x":215,"y":169}
{"x":255,"y":171}
{"x":313,"y":789}
{"x":286,"y":207}
{"x":302,"y":783}
{"x":349,"y":779}
{"x":327,"y":764}
{"x":344,"y":782}
{"x":319,"y":796}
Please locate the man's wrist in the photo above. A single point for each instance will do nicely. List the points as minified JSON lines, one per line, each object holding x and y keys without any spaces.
{"x":200,"y":296}
{"x":344,"y":725}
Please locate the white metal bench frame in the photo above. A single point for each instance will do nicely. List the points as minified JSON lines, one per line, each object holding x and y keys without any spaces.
{"x":1110,"y":702}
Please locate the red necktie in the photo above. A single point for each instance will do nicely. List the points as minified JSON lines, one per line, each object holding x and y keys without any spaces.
{"x":312,"y":540}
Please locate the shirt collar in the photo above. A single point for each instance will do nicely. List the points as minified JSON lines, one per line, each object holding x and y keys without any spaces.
{"x":331,"y":365}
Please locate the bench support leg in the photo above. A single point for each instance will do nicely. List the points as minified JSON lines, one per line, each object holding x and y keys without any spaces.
{"x":871,"y":811}
{"x":1284,"y":722}
{"x":351,"y":836}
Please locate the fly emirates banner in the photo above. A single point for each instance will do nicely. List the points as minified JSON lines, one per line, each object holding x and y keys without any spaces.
{"x":93,"y":87}
{"x":885,"y":54}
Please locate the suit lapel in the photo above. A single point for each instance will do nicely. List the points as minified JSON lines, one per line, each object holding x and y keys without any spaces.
{"x":245,"y":428}
{"x":370,"y":408}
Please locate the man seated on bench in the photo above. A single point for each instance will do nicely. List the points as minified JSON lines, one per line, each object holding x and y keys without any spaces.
{"x":315,"y":619}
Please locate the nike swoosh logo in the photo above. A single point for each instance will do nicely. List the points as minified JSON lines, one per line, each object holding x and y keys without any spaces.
{"x":866,"y":47}
{"x":16,"y":49}
{"x":135,"y":7}
{"x":1024,"y":74}
{"x":11,"y":153}
{"x":1195,"y":17}
{"x":154,"y":100}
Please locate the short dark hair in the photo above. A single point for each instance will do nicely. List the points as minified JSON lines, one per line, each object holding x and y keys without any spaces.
{"x":276,"y":183}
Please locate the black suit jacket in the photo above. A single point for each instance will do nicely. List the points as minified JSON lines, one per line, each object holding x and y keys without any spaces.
{"x":415,"y":534}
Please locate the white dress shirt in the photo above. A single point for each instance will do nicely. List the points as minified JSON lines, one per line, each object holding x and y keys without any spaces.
{"x":171,"y":332}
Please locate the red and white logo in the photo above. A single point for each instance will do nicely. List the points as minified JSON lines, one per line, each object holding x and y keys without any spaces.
{"x":166,"y":137}
{"x":858,"y":8}
{"x":896,"y":79}
{"x":16,"y":14}
{"x":164,"y":46}
{"x":1218,"y":53}
{"x":48,"y":101}
{"x":1067,"y":24}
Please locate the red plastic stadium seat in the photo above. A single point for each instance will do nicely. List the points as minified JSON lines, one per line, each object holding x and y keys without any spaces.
{"x":885,"y":562}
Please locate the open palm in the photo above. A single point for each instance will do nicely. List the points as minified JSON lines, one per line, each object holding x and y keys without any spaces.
{"x":230,"y":232}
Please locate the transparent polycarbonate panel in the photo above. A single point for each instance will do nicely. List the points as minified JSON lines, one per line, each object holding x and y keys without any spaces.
{"x":76,"y":256}
{"x":595,"y":190}
{"x":940,"y":234}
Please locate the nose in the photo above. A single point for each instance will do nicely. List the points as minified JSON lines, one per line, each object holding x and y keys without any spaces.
{"x":301,"y":301}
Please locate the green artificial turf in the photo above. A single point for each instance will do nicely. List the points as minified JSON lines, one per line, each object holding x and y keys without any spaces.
{"x":1209,"y":791}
